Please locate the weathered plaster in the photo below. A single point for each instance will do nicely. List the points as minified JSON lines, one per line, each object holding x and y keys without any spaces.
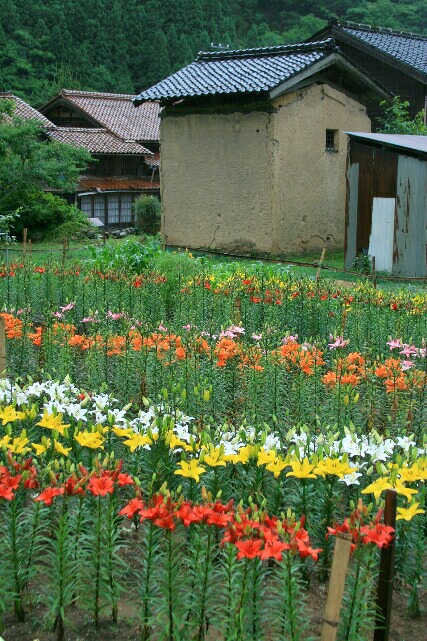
{"x":258,"y":182}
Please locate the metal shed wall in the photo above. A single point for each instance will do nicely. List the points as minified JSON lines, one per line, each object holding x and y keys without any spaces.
{"x":381,"y":172}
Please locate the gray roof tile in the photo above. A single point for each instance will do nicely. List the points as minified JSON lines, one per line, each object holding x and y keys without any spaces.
{"x":241,"y":71}
{"x":407,"y":47}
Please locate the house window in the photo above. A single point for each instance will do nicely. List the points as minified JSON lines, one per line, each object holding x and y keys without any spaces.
{"x":86,"y":205}
{"x":331,"y":142}
{"x":99,"y":208}
{"x":113,"y":209}
{"x":126,"y":209}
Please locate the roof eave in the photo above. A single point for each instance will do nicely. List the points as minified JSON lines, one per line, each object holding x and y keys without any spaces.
{"x":339,"y":61}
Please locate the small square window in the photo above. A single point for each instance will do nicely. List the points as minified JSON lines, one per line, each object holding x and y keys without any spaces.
{"x":331,"y":141}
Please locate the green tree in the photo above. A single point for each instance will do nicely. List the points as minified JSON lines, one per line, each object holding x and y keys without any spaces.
{"x":30,"y":164}
{"x":398,"y":121}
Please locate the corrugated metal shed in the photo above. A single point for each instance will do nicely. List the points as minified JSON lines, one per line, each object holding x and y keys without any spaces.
{"x":400,"y":141}
{"x":386,"y":213}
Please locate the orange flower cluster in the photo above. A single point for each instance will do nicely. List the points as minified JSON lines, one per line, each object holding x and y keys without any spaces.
{"x":394,"y":377}
{"x":13,"y":325}
{"x":227,"y":349}
{"x":347,"y":371}
{"x":301,"y":357}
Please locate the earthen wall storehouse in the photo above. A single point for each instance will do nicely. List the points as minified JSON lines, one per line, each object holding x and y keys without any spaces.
{"x":258,"y":168}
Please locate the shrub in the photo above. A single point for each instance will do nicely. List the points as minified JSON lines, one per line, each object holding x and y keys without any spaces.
{"x":148,"y":211}
{"x":71,"y":229}
{"x":45,"y":214}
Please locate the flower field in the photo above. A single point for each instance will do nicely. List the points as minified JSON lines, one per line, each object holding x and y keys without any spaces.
{"x":191,"y":438}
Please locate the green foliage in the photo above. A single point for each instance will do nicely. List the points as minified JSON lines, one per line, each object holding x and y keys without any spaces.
{"x":71,"y":229}
{"x":131,"y":256}
{"x":45,"y":212}
{"x":398,"y":121}
{"x":45,"y":46}
{"x":148,"y":210}
{"x":29,"y":164}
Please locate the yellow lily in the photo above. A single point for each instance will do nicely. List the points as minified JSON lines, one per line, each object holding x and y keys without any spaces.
{"x":9,"y":415}
{"x":61,"y":449}
{"x":302,"y":469}
{"x":53,"y":422}
{"x":93,"y":440}
{"x":334,"y":467}
{"x":191,"y":470}
{"x":409,"y":512}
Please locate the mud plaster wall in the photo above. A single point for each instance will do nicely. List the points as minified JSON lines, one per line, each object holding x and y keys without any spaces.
{"x":216,"y":180}
{"x":309,"y":181}
{"x":258,"y":182}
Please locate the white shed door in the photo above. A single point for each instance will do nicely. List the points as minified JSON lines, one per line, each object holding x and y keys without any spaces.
{"x":382,"y":231}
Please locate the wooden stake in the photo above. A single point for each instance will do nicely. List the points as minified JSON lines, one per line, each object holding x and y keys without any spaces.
{"x":374,"y":273}
{"x":64,"y":250}
{"x":340,"y":561}
{"x":322,"y":258}
{"x":385,"y":581}
{"x":2,"y":347}
{"x":24,"y":240}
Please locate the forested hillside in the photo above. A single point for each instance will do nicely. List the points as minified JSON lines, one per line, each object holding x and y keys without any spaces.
{"x":127,"y":45}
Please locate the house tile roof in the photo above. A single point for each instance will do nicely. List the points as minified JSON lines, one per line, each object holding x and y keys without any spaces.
{"x":241,"y":71}
{"x":408,"y":48}
{"x":96,"y":141}
{"x":24,"y":110}
{"x":117,"y":184}
{"x":117,"y":113}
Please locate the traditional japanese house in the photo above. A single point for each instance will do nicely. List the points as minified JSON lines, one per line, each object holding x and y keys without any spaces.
{"x":123,"y":142}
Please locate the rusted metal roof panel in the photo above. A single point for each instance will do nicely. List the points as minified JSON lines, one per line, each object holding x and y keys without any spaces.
{"x":399,"y":141}
{"x":117,"y":184}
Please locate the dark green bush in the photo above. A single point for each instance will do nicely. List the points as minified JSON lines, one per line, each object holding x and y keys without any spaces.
{"x":45,"y":214}
{"x":148,"y":214}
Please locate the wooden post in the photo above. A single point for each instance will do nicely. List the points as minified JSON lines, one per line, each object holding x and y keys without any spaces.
{"x":64,"y":250}
{"x":322,"y":258}
{"x":336,"y":587}
{"x":385,"y":581}
{"x":2,"y":347}
{"x":104,"y":236}
{"x":24,"y":240}
{"x":374,"y":273}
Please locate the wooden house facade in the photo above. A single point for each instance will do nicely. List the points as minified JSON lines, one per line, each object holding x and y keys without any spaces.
{"x":386,"y":212}
{"x":124,"y":145}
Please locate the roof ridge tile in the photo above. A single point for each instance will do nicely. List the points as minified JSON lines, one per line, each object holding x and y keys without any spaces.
{"x":374,"y":29}
{"x":305,"y":47}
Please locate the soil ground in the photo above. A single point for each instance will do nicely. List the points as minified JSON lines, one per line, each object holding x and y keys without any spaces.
{"x":80,"y":627}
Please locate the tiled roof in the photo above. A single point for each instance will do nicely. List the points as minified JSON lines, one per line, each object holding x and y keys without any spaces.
{"x":24,"y":110}
{"x":117,"y":113}
{"x":117,"y":184}
{"x":241,"y":71}
{"x":96,"y":141}
{"x":408,"y":48}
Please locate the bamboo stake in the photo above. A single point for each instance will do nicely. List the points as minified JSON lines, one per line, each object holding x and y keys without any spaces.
{"x":340,"y":561}
{"x":385,"y":581}
{"x":2,"y":347}
{"x":374,"y":273}
{"x":322,"y":258}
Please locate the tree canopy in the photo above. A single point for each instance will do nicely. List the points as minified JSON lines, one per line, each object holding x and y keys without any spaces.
{"x":31,"y":164}
{"x":111,"y":45}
